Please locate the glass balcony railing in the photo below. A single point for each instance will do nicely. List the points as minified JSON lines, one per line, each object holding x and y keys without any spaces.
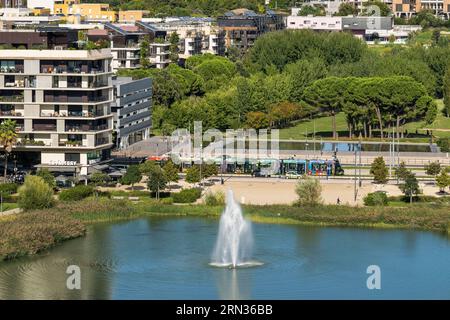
{"x":86,"y":128}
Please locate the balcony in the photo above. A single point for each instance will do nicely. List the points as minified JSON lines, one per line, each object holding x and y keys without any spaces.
{"x":64,"y":98}
{"x":11,"y":113}
{"x":44,"y":125}
{"x":71,"y":144}
{"x":10,"y":98}
{"x":102,"y":141}
{"x":86,"y":128}
{"x":48,"y":67}
{"x":8,"y":66}
{"x":20,"y":81}
{"x":29,"y":142}
{"x":73,"y":113}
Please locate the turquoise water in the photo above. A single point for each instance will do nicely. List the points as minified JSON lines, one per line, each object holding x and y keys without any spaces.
{"x":168,"y":258}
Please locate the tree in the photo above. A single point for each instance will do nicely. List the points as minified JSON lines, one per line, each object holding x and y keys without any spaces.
{"x":146,"y":167}
{"x":256,"y":120}
{"x":307,"y":10}
{"x":35,"y":193}
{"x":379,"y":170}
{"x":174,"y":40}
{"x":8,"y":138}
{"x":433,"y":168}
{"x":446,"y":92}
{"x":410,"y":187}
{"x":132,"y":176}
{"x":309,"y":192}
{"x":209,"y":170}
{"x":157,"y":180}
{"x":98,"y":179}
{"x":443,"y":180}
{"x":401,"y":172}
{"x":47,"y":176}
{"x":327,"y":94}
{"x":193,"y":174}
{"x":347,"y":9}
{"x":171,"y":172}
{"x":144,"y":53}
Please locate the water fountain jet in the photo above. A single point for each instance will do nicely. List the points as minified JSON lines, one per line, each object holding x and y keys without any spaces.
{"x":234,"y":241}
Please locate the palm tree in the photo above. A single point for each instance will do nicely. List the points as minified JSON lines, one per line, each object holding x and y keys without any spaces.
{"x":8,"y":137}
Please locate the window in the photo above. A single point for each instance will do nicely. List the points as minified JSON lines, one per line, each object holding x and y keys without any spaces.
{"x":398,"y":7}
{"x":72,"y":157}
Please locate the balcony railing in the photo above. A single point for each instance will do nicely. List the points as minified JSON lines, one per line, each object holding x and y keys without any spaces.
{"x":11,"y":113}
{"x":44,"y":127}
{"x":74,"y":70}
{"x":86,"y":128}
{"x":76,"y":99}
{"x":101,"y":141}
{"x":18,"y":98}
{"x":16,"y":69}
{"x":78,"y":114}
{"x":73,"y":144}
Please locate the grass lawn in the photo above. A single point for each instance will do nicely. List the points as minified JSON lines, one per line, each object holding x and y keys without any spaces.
{"x":9,"y":206}
{"x":416,"y":130}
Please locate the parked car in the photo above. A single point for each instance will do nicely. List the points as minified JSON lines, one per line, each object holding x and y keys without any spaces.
{"x":292,"y":175}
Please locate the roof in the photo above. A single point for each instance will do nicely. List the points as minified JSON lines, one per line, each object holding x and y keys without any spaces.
{"x":130,"y":28}
{"x":97,"y":32}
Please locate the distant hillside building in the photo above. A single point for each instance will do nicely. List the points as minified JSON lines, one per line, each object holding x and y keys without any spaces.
{"x":242,"y":26}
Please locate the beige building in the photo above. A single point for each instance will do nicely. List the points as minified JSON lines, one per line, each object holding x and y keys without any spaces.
{"x":60,"y":99}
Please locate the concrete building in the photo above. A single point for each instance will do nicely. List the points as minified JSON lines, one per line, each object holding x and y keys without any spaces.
{"x":131,"y":16}
{"x":60,"y":98}
{"x":132,"y":110}
{"x":243,"y":26}
{"x":327,"y":23}
{"x":48,"y":4}
{"x":197,"y":35}
{"x":24,"y":17}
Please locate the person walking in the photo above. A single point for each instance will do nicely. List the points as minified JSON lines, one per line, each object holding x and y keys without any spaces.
{"x":338,"y":201}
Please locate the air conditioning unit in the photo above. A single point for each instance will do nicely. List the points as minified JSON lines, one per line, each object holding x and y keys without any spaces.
{"x":59,"y":48}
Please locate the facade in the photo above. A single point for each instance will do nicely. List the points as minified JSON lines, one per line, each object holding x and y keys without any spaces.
{"x":159,"y":54}
{"x":47,"y":4}
{"x":125,"y":46}
{"x":243,"y":26}
{"x":131,"y":16}
{"x":326,"y":23}
{"x":60,"y":98}
{"x":132,"y":110}
{"x":197,"y":35}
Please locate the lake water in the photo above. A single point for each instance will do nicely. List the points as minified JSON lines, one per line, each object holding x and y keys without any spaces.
{"x":168,"y":258}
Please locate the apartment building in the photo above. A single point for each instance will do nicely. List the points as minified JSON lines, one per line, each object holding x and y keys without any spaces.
{"x":90,"y":12}
{"x":243,"y":26}
{"x":132,"y":110}
{"x":44,"y":4}
{"x":408,"y":8}
{"x":197,"y":35}
{"x":130,"y":16}
{"x":326,"y":23}
{"x":60,"y":98}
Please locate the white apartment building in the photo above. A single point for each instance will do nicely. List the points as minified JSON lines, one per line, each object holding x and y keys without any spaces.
{"x":61,"y":102}
{"x":323,"y":23}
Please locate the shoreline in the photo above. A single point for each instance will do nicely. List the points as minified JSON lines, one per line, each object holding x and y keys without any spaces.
{"x":79,"y":215}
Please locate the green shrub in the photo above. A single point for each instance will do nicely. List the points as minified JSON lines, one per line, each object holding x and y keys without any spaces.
{"x":187,"y":195}
{"x":309,"y":192}
{"x":35,"y":194}
{"x":444,"y":144}
{"x":8,"y":188}
{"x":215,"y":199}
{"x":377,"y":198}
{"x":35,"y":231}
{"x":168,"y":200}
{"x":76,"y":193}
